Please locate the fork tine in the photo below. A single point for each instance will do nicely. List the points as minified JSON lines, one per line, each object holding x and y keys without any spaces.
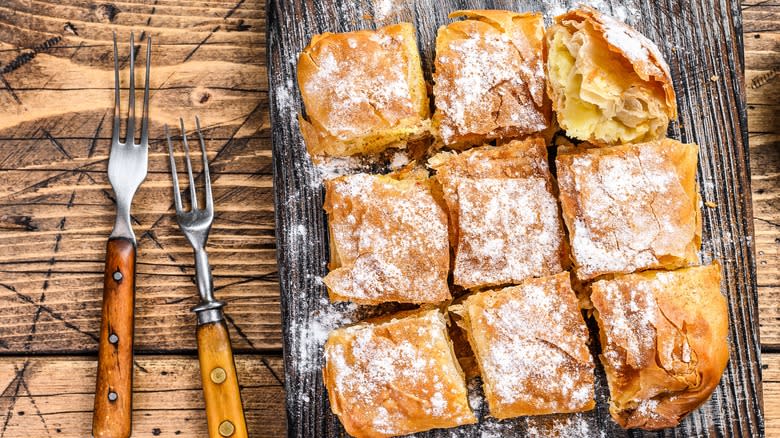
{"x":193,"y":195}
{"x":145,"y":117}
{"x":176,"y":193}
{"x":131,"y":105}
{"x":206,"y":176}
{"x":117,"y":119}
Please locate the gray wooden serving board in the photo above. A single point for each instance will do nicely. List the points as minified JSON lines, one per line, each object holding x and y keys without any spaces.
{"x":702,"y":42}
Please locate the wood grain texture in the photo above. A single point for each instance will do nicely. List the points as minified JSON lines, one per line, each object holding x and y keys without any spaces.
{"x":52,"y":396}
{"x":56,"y":205}
{"x":114,"y":388}
{"x":55,"y":211}
{"x":762,"y":79}
{"x":701,"y":40}
{"x":220,"y":384}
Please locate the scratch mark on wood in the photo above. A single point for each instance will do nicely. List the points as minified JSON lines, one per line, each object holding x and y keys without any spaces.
{"x":271,"y":370}
{"x":10,"y":89}
{"x":56,"y":144}
{"x":192,"y":52}
{"x":93,"y":143}
{"x":24,"y":222}
{"x":26,"y":57}
{"x":763,"y":79}
{"x":13,"y":397}
{"x":35,"y":405}
{"x":50,"y":312}
{"x":233,"y":9}
{"x":767,"y":221}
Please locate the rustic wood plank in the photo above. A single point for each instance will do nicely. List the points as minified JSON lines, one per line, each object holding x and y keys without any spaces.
{"x":56,"y":206}
{"x":52,"y":397}
{"x":771,"y":370}
{"x":701,"y":41}
{"x":762,"y":58}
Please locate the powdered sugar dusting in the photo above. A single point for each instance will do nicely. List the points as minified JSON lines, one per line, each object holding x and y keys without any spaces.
{"x":372,"y":366}
{"x":391,"y":237}
{"x":628,"y":320}
{"x":311,"y":336}
{"x":509,"y":230}
{"x":357,"y":78}
{"x":532,"y":347}
{"x":630,"y":208}
{"x":483,"y":85}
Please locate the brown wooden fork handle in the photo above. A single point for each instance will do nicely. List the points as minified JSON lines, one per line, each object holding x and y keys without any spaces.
{"x":113,"y":394}
{"x":224,"y":411}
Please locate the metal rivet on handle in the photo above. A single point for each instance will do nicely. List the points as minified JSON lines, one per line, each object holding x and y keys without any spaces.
{"x":112,"y":396}
{"x":113,"y":338}
{"x":117,"y":276}
{"x":218,"y":375}
{"x":226,"y":428}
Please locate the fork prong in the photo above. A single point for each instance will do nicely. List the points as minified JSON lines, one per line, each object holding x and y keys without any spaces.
{"x":193,"y":195}
{"x":206,"y":176}
{"x":145,"y":117}
{"x":131,"y":105}
{"x":117,"y":117}
{"x":174,"y":175}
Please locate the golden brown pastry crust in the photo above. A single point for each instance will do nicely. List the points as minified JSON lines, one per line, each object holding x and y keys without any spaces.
{"x":608,"y":83}
{"x":395,"y":377}
{"x":505,"y":224}
{"x":630,"y":207}
{"x":363,"y":91}
{"x":489,"y":78}
{"x":664,"y":342}
{"x":531,"y":346}
{"x":388,"y":237}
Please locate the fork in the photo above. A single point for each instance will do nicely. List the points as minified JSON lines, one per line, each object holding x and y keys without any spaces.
{"x":127,"y":164}
{"x":224,"y":410}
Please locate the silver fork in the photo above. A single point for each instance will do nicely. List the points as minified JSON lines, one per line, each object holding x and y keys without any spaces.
{"x":127,"y":165}
{"x":224,"y":410}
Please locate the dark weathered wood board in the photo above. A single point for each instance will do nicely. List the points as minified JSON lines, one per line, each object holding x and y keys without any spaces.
{"x":702,"y":41}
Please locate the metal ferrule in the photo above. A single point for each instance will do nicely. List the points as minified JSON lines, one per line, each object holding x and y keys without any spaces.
{"x":209,"y":309}
{"x":122,"y":226}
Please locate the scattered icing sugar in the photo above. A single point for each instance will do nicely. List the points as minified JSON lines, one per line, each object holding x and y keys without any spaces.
{"x":349,"y":91}
{"x":310,"y":334}
{"x":508,"y":230}
{"x":383,"y":8}
{"x":371,"y":364}
{"x":628,"y":319}
{"x":395,"y":248}
{"x":534,"y":342}
{"x":634,"y":45}
{"x":630,"y":208}
{"x":625,"y":11}
{"x":568,"y":426}
{"x":483,"y":85}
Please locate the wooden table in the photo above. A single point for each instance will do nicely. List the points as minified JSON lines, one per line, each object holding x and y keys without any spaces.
{"x":56,"y":208}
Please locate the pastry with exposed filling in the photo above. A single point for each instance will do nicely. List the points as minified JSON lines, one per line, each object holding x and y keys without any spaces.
{"x":608,"y":83}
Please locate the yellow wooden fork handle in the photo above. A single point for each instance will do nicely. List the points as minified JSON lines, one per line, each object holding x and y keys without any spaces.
{"x":224,"y":411}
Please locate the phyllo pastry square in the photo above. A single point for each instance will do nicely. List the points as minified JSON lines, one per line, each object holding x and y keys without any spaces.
{"x":663,"y":338}
{"x":396,"y":376}
{"x":489,"y":77}
{"x":505,"y":223}
{"x":531,"y":346}
{"x":363,"y":91}
{"x":388,"y":239}
{"x":630,"y":207}
{"x":607,"y":82}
